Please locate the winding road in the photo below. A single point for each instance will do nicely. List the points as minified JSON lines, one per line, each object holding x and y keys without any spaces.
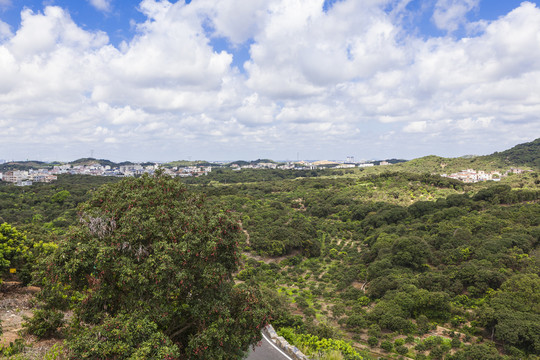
{"x":267,"y":350}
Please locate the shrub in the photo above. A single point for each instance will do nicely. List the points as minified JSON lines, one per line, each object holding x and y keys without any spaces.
{"x":373,"y":341}
{"x":387,"y":346}
{"x":374,"y":330}
{"x":44,"y":324}
{"x":122,"y":337}
{"x":402,"y":350}
{"x":455,"y":342}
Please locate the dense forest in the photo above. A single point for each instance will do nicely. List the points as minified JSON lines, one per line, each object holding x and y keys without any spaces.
{"x":352,"y":264}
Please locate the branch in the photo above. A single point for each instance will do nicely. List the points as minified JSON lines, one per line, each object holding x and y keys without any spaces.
{"x":178,"y":332}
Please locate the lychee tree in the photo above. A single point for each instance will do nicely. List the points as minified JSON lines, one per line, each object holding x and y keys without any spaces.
{"x":153,"y":256}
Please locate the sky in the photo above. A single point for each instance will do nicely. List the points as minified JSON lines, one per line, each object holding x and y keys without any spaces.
{"x":280,"y":79}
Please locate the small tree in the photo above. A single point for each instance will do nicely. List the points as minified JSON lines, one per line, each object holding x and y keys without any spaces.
{"x":147,"y":253}
{"x":14,"y":248}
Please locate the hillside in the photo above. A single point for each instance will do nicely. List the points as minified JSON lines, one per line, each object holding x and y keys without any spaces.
{"x":527,"y":154}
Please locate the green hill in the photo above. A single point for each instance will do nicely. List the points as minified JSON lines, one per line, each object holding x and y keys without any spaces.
{"x":527,"y":154}
{"x":23,"y":165}
{"x":103,"y":162}
{"x":522,"y":155}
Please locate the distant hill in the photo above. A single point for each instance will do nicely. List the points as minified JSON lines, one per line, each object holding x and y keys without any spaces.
{"x":522,"y":155}
{"x":23,"y":165}
{"x":254,"y":162}
{"x":527,"y":154}
{"x":103,"y":162}
{"x":186,"y":163}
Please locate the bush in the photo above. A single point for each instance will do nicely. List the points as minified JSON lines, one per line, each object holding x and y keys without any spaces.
{"x":14,"y":347}
{"x":387,"y":346}
{"x":122,"y":337}
{"x":402,"y":350}
{"x":356,"y":321}
{"x":315,"y":346}
{"x":374,"y":330}
{"x":373,"y":341}
{"x":436,"y":353}
{"x":44,"y":324}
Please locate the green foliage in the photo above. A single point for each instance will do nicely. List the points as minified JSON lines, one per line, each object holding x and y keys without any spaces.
{"x":44,"y":323}
{"x":522,"y":154}
{"x":56,"y":352}
{"x":401,"y":349}
{"x":45,"y":208}
{"x":477,"y":352}
{"x":373,"y":341}
{"x":387,"y":345}
{"x":14,"y":348}
{"x":124,"y":336}
{"x":513,"y":312}
{"x":314,"y":345}
{"x":148,"y":248}
{"x":60,"y":196}
{"x":14,"y":248}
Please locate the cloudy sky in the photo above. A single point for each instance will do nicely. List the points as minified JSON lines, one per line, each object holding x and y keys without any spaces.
{"x":281,"y":79}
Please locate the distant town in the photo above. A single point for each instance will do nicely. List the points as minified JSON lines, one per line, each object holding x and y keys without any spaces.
{"x":48,"y":174}
{"x":472,"y":176}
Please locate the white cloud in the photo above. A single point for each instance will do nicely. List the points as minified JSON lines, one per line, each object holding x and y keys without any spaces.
{"x":449,"y":15}
{"x":5,"y":31}
{"x":416,"y":127}
{"x":101,"y":5}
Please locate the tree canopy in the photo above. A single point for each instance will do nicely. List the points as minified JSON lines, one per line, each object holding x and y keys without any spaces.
{"x":149,"y":269}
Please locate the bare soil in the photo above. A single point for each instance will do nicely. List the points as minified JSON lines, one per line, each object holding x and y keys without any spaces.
{"x":15,"y":304}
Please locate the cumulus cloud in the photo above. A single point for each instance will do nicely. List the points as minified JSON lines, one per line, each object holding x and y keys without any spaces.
{"x":349,"y":80}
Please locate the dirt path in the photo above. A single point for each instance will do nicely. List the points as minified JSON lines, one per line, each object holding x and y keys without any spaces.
{"x":14,"y":304}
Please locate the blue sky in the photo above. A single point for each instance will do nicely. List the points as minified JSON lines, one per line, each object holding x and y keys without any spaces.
{"x":230,"y":79}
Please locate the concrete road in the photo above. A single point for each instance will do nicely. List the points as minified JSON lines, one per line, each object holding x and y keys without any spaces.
{"x":267,"y":350}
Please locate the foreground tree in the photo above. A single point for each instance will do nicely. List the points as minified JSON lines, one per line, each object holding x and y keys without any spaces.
{"x":149,"y":269}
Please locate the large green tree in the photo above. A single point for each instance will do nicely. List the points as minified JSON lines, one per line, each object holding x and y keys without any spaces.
{"x":150,"y":271}
{"x":513,"y":312}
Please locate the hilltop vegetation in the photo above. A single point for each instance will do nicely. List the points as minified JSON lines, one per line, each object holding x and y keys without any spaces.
{"x":522,"y":154}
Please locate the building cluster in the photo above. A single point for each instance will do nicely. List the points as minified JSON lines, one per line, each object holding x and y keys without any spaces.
{"x":28,"y":177}
{"x":238,"y":167}
{"x":473,"y":176}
